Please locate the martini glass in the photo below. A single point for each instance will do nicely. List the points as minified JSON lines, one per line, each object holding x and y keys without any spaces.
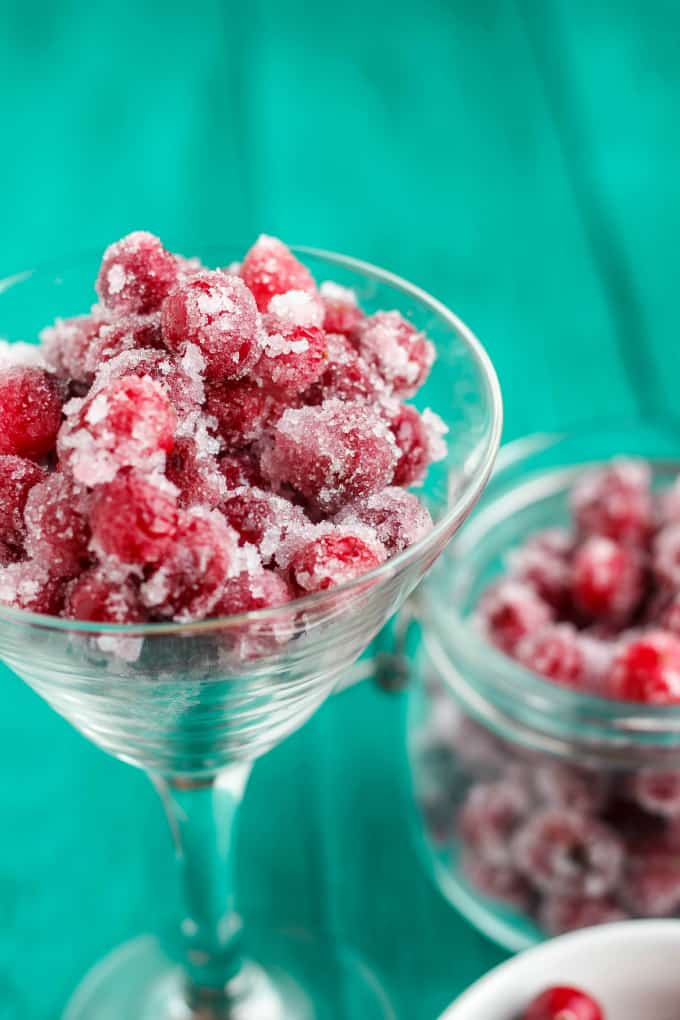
{"x":194,"y":705}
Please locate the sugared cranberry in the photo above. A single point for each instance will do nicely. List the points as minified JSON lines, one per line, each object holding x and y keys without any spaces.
{"x":127,"y":423}
{"x":241,"y":410}
{"x":398,"y":517}
{"x":262,"y":519}
{"x":666,"y":555}
{"x":563,"y":1003}
{"x":651,"y":884}
{"x":648,"y":670}
{"x":260,"y":589}
{"x":293,"y":357}
{"x":29,"y":585}
{"x":94,"y":596}
{"x":614,"y":501}
{"x":57,"y":532}
{"x":498,"y":882}
{"x":217,"y":313}
{"x":557,"y":784}
{"x":345,"y":375}
{"x":396,"y":350}
{"x":17,"y":478}
{"x":420,"y":441}
{"x":197,"y":476}
{"x":341,"y":310}
{"x":509,"y":611}
{"x":554,"y":651}
{"x":657,"y":791}
{"x":136,"y":274}
{"x":544,"y":570}
{"x":66,"y":346}
{"x":134,"y":518}
{"x":606,"y":579}
{"x":270,"y":268}
{"x":181,"y":379}
{"x":30,"y":411}
{"x":332,"y":454}
{"x":189,"y":581}
{"x":332,"y":559}
{"x":240,"y":468}
{"x":489,"y":817}
{"x":137,"y":332}
{"x":560,"y":914}
{"x":562,"y":851}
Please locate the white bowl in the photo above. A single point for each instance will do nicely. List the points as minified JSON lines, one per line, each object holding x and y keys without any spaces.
{"x":632,"y":969}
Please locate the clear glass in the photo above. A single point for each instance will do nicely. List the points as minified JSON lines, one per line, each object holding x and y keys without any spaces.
{"x":477,"y":719}
{"x":195,"y":705}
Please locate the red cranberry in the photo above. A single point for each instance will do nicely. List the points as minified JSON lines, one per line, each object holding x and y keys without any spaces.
{"x":397,"y":517}
{"x":189,"y":581}
{"x":345,"y":375}
{"x":134,"y":518}
{"x":17,"y":478}
{"x":490,"y":815}
{"x":648,"y":670}
{"x":270,"y":268}
{"x":651,"y":884}
{"x":262,"y":519}
{"x":293,"y":357}
{"x":511,"y":610}
{"x":217,"y":313}
{"x":562,"y":1003}
{"x":30,"y":586}
{"x":544,"y":570}
{"x":127,"y":423}
{"x":332,"y":559}
{"x":138,"y":332}
{"x":614,"y":501}
{"x":66,"y":346}
{"x":560,"y":914}
{"x":498,"y":882}
{"x":30,"y":411}
{"x":553,"y":651}
{"x":263,"y":589}
{"x":241,"y":410}
{"x":420,"y":441}
{"x":136,"y":274}
{"x":396,"y":350}
{"x":332,"y":454}
{"x":341,"y":311}
{"x":94,"y":596}
{"x":657,"y":791}
{"x":240,"y":468}
{"x":606,"y":579}
{"x":562,"y":851}
{"x":180,"y":378}
{"x":57,"y":533}
{"x":197,"y":476}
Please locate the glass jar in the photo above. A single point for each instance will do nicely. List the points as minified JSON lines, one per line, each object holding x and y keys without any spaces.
{"x":539,"y":809}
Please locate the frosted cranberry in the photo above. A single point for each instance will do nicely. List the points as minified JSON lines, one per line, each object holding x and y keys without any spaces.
{"x":651,"y":885}
{"x":560,"y":914}
{"x":398,"y":517}
{"x":189,"y":581}
{"x":129,"y":422}
{"x":648,"y":670}
{"x":562,"y":851}
{"x":395,"y":349}
{"x":333,"y":558}
{"x":562,"y":1003}
{"x":670,"y":617}
{"x":248,"y":591}
{"x":66,"y":346}
{"x":270,"y":268}
{"x":553,"y":651}
{"x":241,"y":409}
{"x":490,"y":816}
{"x":542,"y":563}
{"x":262,"y":519}
{"x":614,"y":501}
{"x":240,"y":468}
{"x":197,"y":476}
{"x":134,"y":518}
{"x":341,"y":311}
{"x":57,"y":533}
{"x":29,"y":585}
{"x":510,"y":610}
{"x":138,"y":332}
{"x":666,"y":555}
{"x":497,"y":882}
{"x":180,"y":378}
{"x":345,"y":375}
{"x":30,"y":411}
{"x":657,"y":791}
{"x":94,"y":596}
{"x":420,"y":441}
{"x":217,"y":313}
{"x":332,"y":454}
{"x":136,"y":274}
{"x":293,"y":357}
{"x":606,"y":579}
{"x":17,"y":478}
{"x":566,"y":786}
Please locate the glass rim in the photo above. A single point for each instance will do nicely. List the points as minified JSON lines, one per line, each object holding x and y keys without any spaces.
{"x":463,"y":644}
{"x":442,"y":529}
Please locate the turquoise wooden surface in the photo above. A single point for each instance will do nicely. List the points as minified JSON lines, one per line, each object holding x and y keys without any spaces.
{"x":519,"y":160}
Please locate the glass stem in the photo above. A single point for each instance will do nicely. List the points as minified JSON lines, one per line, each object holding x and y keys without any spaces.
{"x":202,"y":815}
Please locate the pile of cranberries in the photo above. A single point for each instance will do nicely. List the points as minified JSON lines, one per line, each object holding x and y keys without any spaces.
{"x":563,"y":1003}
{"x":597,"y":607}
{"x":208,"y":441}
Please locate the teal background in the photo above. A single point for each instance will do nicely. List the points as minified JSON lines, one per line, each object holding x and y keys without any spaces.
{"x":517,"y":159}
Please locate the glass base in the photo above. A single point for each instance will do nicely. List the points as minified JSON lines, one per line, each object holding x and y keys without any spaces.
{"x":297,"y":978}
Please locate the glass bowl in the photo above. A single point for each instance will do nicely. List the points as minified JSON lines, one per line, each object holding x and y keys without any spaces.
{"x":487,"y":735}
{"x":195,"y":704}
